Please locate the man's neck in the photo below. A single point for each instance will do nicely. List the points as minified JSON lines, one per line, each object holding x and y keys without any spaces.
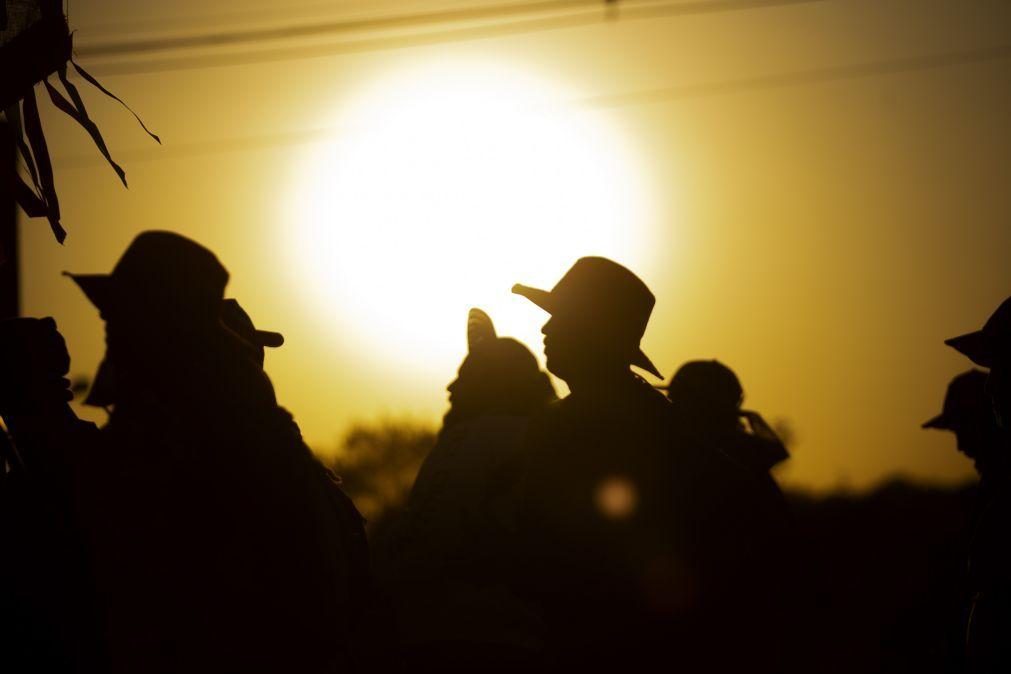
{"x":599,"y":378}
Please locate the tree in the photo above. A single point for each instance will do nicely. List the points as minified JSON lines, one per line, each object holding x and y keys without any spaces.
{"x":378,"y":463}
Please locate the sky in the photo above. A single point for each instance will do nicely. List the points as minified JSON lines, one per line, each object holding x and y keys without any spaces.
{"x":818,"y":224}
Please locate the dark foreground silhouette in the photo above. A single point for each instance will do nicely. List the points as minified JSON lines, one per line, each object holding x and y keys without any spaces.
{"x":210,"y":537}
{"x":615,"y":529}
{"x":988,"y":608}
{"x":449,"y":564}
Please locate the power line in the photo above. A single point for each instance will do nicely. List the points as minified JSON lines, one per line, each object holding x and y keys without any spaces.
{"x":797,"y":78}
{"x":506,"y":20}
{"x":337,"y":27}
{"x":245,"y":16}
{"x":804,"y":77}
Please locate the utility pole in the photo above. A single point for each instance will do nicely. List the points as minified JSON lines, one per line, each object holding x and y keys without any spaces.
{"x":9,"y":291}
{"x":10,"y":294}
{"x":10,"y":304}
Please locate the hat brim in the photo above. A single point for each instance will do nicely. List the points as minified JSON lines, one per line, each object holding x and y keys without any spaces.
{"x":641,"y":361}
{"x":98,"y":288}
{"x":940,"y":422}
{"x":545,"y":300}
{"x":541,"y":298}
{"x":269,"y":339}
{"x":977,"y":346}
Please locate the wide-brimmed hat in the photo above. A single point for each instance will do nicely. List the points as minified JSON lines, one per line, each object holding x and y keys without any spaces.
{"x":166,"y":274}
{"x":160,"y":273}
{"x":991,"y":342}
{"x":965,"y":399}
{"x":233,"y":317}
{"x":607,"y":296}
{"x":238,"y":321}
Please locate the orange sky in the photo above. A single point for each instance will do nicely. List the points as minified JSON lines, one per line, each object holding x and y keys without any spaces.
{"x":821,"y":238}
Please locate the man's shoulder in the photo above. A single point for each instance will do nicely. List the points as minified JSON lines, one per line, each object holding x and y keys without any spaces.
{"x":556,"y":413}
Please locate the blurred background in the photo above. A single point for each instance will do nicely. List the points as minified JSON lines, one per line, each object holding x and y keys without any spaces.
{"x":815,"y":190}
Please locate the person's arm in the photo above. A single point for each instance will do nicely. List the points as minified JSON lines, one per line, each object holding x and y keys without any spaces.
{"x":759,"y":427}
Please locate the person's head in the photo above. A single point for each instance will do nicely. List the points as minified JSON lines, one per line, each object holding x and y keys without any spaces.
{"x":164,"y":292}
{"x":968,"y":414}
{"x":599,"y":311}
{"x":499,"y":376}
{"x":163,"y":305}
{"x":708,"y":392}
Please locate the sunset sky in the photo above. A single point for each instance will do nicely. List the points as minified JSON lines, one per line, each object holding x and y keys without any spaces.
{"x":816,"y":192}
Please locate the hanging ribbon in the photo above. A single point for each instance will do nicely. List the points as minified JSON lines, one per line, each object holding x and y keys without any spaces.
{"x":37,"y":140}
{"x":95,"y":83}
{"x":80,"y":114}
{"x":30,"y":202}
{"x":43,"y":48}
{"x":13,"y":114}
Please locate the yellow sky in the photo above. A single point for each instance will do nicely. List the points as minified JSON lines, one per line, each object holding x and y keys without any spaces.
{"x":822,"y":239}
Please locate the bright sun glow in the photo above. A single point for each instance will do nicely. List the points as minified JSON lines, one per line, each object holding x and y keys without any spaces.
{"x":441,"y":187}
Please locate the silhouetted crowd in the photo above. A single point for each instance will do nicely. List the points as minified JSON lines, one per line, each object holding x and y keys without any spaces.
{"x":625,"y":527}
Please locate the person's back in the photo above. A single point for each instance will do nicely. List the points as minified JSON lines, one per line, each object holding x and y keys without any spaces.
{"x":602,"y":525}
{"x":455,"y":610}
{"x":747,"y":541}
{"x":987,"y":647}
{"x":215,"y":541}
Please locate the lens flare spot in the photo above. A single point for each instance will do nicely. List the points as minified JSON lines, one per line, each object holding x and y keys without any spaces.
{"x":616,"y":498}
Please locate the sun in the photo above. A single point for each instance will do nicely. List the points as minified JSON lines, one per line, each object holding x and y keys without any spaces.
{"x":441,"y":186}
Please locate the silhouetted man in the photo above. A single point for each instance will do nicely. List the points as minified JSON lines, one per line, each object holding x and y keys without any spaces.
{"x":599,"y":520}
{"x":988,"y":646}
{"x":215,"y":539}
{"x":456,"y":610}
{"x":644,"y":549}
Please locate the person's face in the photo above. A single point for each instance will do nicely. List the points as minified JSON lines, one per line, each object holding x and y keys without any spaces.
{"x":564,"y":346}
{"x":574,"y":345}
{"x":970,"y":439}
{"x":998,"y":388}
{"x":463,"y":386}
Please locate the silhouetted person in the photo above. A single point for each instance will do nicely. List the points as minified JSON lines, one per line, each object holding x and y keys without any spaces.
{"x":455,"y":609}
{"x":216,"y":541}
{"x":988,"y":646}
{"x":46,"y":602}
{"x":643,"y":548}
{"x":599,"y":524}
{"x":233,"y":317}
{"x":750,"y":599}
{"x":968,"y":413}
{"x":707,"y":397}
